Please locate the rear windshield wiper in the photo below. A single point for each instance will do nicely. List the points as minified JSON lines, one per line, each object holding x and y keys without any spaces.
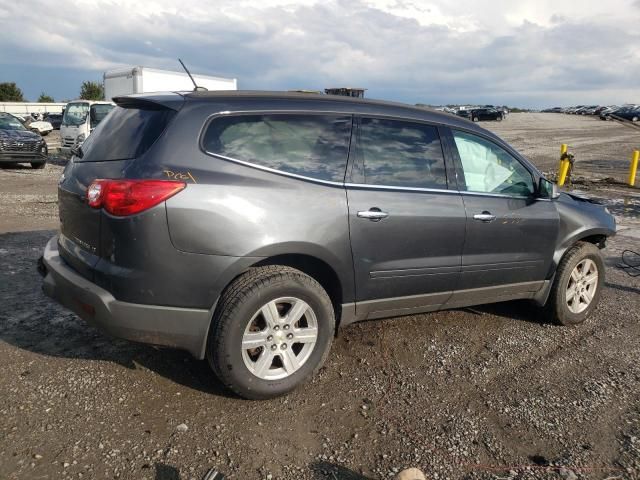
{"x":77,"y":151}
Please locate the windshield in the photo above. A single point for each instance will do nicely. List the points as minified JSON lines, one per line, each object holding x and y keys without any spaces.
{"x":75,"y":114}
{"x":9,"y":122}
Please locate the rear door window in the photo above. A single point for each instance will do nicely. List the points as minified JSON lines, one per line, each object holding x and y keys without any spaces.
{"x":314,"y":146}
{"x":126,"y":133}
{"x":399,"y":154}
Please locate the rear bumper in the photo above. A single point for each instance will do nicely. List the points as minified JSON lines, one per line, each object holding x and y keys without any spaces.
{"x":183,"y":328}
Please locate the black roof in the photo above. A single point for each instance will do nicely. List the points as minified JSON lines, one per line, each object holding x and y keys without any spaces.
{"x":299,"y":100}
{"x":361,"y":105}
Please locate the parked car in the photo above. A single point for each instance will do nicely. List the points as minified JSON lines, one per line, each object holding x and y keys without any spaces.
{"x":55,"y":119}
{"x":575,"y":110}
{"x":606,"y":112}
{"x":39,"y":126}
{"x":247,"y":227}
{"x":35,"y":124}
{"x":628,"y":113}
{"x":591,"y":110}
{"x":19,"y":145}
{"x":482,"y":114}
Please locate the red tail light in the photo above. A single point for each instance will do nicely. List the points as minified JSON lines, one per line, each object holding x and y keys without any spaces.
{"x":127,"y":197}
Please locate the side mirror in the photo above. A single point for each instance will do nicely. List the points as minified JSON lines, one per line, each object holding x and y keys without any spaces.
{"x":547,"y":189}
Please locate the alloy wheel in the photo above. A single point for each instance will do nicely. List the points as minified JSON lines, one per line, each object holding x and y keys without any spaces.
{"x":279,"y":338}
{"x":582,"y":286}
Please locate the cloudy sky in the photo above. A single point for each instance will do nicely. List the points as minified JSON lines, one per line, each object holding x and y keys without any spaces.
{"x":517,"y":52}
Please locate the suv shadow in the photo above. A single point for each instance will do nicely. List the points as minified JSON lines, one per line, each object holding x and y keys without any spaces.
{"x":33,"y":322}
{"x":523,"y":310}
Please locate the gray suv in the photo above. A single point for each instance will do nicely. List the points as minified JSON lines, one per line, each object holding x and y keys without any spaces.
{"x":246,"y":227}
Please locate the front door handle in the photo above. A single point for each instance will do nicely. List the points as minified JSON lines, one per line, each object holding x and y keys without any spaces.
{"x":484,"y":217}
{"x":373,"y":214}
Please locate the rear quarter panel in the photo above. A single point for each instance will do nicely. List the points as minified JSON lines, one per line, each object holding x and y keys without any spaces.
{"x":230,"y":209}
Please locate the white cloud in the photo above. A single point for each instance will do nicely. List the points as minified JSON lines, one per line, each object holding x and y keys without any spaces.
{"x":528,"y":52}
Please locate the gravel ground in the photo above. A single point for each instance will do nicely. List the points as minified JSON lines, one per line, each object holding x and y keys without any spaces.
{"x":601,"y":149}
{"x":490,"y":392}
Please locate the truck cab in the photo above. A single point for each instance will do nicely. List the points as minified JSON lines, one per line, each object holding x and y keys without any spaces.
{"x":79,"y":119}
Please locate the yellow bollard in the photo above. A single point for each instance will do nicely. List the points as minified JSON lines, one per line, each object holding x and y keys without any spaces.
{"x":633,"y":169}
{"x":563,"y":150}
{"x":561,"y":166}
{"x":563,"y":169}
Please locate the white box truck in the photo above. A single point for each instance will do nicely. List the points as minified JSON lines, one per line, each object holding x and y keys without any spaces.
{"x":126,"y":81}
{"x":79,"y":119}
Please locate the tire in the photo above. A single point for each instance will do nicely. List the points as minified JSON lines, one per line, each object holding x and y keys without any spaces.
{"x":38,"y":165}
{"x":475,"y":119}
{"x":564,"y":310}
{"x":239,"y":315}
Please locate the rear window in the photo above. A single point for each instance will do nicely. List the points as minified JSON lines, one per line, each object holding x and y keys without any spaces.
{"x":314,"y":146}
{"x":125,"y":133}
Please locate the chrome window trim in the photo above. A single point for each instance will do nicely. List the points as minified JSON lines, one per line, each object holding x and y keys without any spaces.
{"x":227,"y":113}
{"x":352,"y":114}
{"x":273,"y":170}
{"x":498,"y":195}
{"x":391,"y":187}
{"x":343,"y":184}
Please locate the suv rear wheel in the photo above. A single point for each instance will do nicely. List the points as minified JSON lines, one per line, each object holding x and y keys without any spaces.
{"x":577,"y":286}
{"x":38,"y":165}
{"x":272,"y":331}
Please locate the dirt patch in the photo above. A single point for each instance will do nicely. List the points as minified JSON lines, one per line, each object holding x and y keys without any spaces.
{"x":601,"y":148}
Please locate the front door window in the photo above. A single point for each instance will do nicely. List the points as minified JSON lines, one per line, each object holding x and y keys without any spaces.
{"x":489,"y":168}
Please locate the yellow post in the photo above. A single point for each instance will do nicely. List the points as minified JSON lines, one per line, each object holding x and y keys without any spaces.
{"x":563,"y":150}
{"x":563,"y":168}
{"x":634,"y":167}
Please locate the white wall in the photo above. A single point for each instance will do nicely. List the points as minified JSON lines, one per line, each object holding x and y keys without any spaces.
{"x":31,"y":107}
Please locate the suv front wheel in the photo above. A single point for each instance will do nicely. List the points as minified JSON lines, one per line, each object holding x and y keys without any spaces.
{"x":272,"y":331}
{"x":577,"y":286}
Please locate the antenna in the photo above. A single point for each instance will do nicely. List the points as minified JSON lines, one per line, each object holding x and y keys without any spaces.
{"x":196,"y":88}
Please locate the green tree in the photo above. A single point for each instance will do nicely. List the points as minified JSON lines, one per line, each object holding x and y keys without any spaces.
{"x":91,"y":91}
{"x":9,"y":92}
{"x":44,"y":98}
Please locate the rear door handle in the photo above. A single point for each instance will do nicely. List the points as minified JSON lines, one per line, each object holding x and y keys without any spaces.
{"x":484,"y":217}
{"x":374,"y":214}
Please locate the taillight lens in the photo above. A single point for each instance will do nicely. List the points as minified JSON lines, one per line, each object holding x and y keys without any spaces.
{"x":127,"y":197}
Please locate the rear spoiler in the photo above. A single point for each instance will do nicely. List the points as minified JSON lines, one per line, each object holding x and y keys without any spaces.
{"x":151,"y":102}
